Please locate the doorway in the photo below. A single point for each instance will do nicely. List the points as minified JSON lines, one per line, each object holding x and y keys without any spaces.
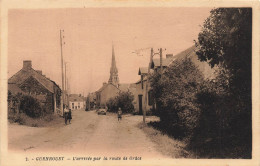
{"x":140,"y":97}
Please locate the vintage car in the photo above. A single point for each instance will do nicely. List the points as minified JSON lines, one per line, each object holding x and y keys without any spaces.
{"x":102,"y":111}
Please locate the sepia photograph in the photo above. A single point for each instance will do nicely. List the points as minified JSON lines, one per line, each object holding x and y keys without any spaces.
{"x":134,"y":84}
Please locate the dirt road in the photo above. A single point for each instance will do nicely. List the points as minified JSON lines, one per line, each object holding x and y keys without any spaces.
{"x":89,"y":133}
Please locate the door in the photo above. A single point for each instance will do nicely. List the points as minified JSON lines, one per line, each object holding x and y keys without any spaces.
{"x":140,"y":97}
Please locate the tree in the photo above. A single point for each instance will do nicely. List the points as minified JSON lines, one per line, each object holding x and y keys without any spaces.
{"x":124,"y":100}
{"x":226,"y":41}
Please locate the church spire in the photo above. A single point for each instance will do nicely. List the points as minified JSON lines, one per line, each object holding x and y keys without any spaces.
{"x":113,"y":79}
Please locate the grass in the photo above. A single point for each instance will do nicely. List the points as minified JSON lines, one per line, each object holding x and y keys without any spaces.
{"x":166,"y":145}
{"x":45,"y":121}
{"x":203,"y":148}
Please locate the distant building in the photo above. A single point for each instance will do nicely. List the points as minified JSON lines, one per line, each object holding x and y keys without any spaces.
{"x":77,"y":102}
{"x":32,"y":82}
{"x":112,"y":87}
{"x":106,"y":92}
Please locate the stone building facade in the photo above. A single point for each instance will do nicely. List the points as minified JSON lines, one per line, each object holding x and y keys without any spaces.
{"x":32,"y":82}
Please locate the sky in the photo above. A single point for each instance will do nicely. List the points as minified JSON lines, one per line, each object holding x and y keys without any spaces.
{"x":34,"y":34}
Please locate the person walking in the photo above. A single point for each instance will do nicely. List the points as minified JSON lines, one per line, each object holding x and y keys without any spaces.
{"x":66,"y":113}
{"x":69,"y":115}
{"x":119,"y":114}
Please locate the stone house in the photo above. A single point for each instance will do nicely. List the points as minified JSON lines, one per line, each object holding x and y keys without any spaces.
{"x":107,"y":91}
{"x":32,"y":82}
{"x":76,"y":102}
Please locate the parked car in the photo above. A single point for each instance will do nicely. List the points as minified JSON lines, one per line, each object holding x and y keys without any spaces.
{"x":102,"y":111}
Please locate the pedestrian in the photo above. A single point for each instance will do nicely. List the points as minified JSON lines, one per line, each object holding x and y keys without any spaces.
{"x":119,"y":114}
{"x":69,"y":115}
{"x":66,"y":113}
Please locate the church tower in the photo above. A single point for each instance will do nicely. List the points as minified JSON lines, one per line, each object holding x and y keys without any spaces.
{"x":113,"y":79}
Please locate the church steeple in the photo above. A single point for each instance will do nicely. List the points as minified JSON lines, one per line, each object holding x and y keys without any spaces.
{"x":113,"y":79}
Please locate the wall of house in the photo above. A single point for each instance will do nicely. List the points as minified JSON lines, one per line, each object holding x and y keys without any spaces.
{"x":141,"y":91}
{"x":33,"y":88}
{"x":75,"y":105}
{"x":107,"y":93}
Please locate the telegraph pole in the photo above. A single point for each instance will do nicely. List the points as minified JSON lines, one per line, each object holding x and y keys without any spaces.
{"x":62,"y":101}
{"x":147,"y":81}
{"x":161,"y":60}
{"x":66,"y":86}
{"x":146,"y":87}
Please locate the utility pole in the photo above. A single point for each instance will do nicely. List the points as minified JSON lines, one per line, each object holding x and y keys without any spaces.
{"x":62,"y":101}
{"x":89,"y":101}
{"x":147,"y":81}
{"x":66,"y":86}
{"x":147,"y":84}
{"x":161,"y":60}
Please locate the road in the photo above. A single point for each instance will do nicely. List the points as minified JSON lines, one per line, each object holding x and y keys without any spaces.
{"x":88,"y":133}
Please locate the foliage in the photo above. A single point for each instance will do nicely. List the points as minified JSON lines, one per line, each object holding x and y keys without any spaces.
{"x":31,"y":106}
{"x":44,"y":121}
{"x":175,"y":92}
{"x":124,"y":100}
{"x":13,"y":99}
{"x":112,"y":104}
{"x":226,"y":41}
{"x":225,"y":122}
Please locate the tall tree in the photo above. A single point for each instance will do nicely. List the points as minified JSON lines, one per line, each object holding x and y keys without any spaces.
{"x":226,"y":41}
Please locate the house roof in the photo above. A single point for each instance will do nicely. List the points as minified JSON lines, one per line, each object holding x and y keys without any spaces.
{"x":204,"y":67}
{"x":132,"y":85}
{"x":14,"y":89}
{"x":165,"y":62}
{"x":124,"y":87}
{"x":143,"y":70}
{"x":24,"y":74}
{"x":76,"y":97}
{"x":186,"y":53}
{"x":104,"y":86}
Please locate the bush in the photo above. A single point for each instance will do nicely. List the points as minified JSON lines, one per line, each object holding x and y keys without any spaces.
{"x":124,"y":100}
{"x":31,"y":107}
{"x":221,"y":122}
{"x":175,"y":93}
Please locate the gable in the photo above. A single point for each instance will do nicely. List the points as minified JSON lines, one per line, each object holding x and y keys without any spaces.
{"x":14,"y":89}
{"x":32,"y":85}
{"x":23,"y":75}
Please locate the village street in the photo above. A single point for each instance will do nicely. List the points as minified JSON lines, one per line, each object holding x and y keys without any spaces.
{"x":88,"y":133}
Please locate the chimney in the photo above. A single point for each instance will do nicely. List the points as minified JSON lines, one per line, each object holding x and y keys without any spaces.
{"x":27,"y":64}
{"x":169,"y":56}
{"x":39,"y":71}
